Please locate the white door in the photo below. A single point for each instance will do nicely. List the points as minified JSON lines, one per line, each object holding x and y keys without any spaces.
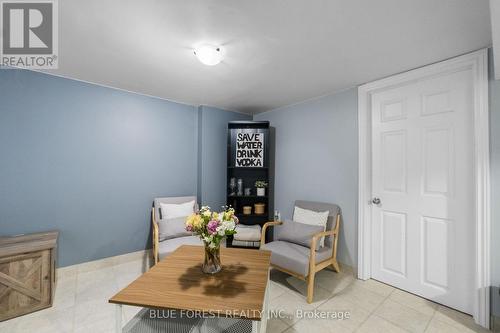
{"x":422,"y":164}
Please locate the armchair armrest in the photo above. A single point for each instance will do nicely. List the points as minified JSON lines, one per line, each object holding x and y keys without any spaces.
{"x":264,"y":228}
{"x":156,"y":237}
{"x":333,"y":232}
{"x":317,"y":236}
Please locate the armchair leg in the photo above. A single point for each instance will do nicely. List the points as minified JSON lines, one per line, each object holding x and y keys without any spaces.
{"x":310,"y":287}
{"x":336,"y":266}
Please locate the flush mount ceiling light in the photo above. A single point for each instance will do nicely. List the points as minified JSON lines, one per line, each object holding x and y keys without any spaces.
{"x":209,"y":55}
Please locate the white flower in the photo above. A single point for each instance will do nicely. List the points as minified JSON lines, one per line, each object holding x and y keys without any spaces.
{"x":221,"y":231}
{"x":229,"y":225}
{"x":211,"y":245}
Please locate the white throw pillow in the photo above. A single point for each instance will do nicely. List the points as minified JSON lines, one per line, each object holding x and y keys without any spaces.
{"x":172,"y":211}
{"x":311,"y":217}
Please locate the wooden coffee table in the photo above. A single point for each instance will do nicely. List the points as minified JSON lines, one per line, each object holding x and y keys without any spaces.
{"x":176,"y":285}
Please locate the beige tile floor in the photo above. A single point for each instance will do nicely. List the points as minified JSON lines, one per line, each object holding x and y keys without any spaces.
{"x":81,"y":304}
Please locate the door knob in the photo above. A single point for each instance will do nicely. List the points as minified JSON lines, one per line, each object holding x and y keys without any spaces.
{"x":376,"y":201}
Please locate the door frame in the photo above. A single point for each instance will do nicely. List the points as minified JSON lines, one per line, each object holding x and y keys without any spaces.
{"x":477,"y":62}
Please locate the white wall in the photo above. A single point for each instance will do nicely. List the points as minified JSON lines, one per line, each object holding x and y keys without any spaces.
{"x":494,"y":95}
{"x":316,"y":159}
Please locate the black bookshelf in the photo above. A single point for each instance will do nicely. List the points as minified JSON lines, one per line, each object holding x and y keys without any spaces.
{"x":249,"y":159}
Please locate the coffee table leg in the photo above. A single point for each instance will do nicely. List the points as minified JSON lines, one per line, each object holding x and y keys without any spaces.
{"x":265,"y":308}
{"x":255,"y":326}
{"x":261,"y":326}
{"x":118,"y":318}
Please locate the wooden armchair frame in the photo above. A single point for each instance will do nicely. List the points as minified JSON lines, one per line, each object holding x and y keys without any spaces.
{"x":156,"y":237}
{"x":313,"y":266}
{"x":156,"y":233}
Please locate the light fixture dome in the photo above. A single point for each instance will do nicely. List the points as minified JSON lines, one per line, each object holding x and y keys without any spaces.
{"x":209,"y":55}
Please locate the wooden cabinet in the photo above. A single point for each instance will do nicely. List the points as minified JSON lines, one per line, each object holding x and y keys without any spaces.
{"x":27,"y":273}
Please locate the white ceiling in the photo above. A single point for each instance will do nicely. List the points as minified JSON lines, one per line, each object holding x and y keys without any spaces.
{"x":277,"y":52}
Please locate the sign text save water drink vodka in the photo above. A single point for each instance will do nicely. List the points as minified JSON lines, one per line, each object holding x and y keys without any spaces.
{"x":249,"y":149}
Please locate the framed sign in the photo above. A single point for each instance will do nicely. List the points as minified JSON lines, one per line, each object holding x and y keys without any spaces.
{"x":249,"y":149}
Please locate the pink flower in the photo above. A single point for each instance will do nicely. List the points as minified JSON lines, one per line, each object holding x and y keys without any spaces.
{"x":212,"y":226}
{"x":236,"y":220}
{"x":189,"y":228}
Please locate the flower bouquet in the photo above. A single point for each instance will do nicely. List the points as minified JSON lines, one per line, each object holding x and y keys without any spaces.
{"x":212,"y":228}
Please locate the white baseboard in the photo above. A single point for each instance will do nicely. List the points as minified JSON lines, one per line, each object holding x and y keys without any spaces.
{"x":88,"y":266}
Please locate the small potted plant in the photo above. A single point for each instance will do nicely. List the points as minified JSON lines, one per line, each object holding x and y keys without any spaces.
{"x":261,"y":188}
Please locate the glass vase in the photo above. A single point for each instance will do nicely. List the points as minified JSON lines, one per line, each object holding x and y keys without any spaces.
{"x":211,"y":264}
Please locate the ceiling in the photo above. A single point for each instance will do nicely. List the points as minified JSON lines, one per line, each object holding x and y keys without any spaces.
{"x":276,"y":52}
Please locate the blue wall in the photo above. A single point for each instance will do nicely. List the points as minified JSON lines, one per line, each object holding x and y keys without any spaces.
{"x":316,"y":159}
{"x":212,"y":165}
{"x":88,"y":161}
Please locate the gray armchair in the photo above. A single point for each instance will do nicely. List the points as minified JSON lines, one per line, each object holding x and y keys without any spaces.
{"x":303,"y":262}
{"x":163,"y":247}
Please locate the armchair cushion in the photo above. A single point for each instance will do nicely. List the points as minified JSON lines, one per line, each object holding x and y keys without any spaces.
{"x":172,"y":211}
{"x":171,"y":200}
{"x":298,"y":233}
{"x":333,"y":209}
{"x":294,"y":257}
{"x":170,"y":245}
{"x":312,"y":217}
{"x":172,"y":228}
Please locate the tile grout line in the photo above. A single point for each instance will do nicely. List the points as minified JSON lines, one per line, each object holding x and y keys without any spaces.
{"x":453,"y":322}
{"x":430,"y":320}
{"x":397,"y":324}
{"x":390,"y":322}
{"x":431,"y":316}
{"x":286,"y":324}
{"x":396,"y":301}
{"x":372,"y":313}
{"x":369,"y":312}
{"x":292,"y":326}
